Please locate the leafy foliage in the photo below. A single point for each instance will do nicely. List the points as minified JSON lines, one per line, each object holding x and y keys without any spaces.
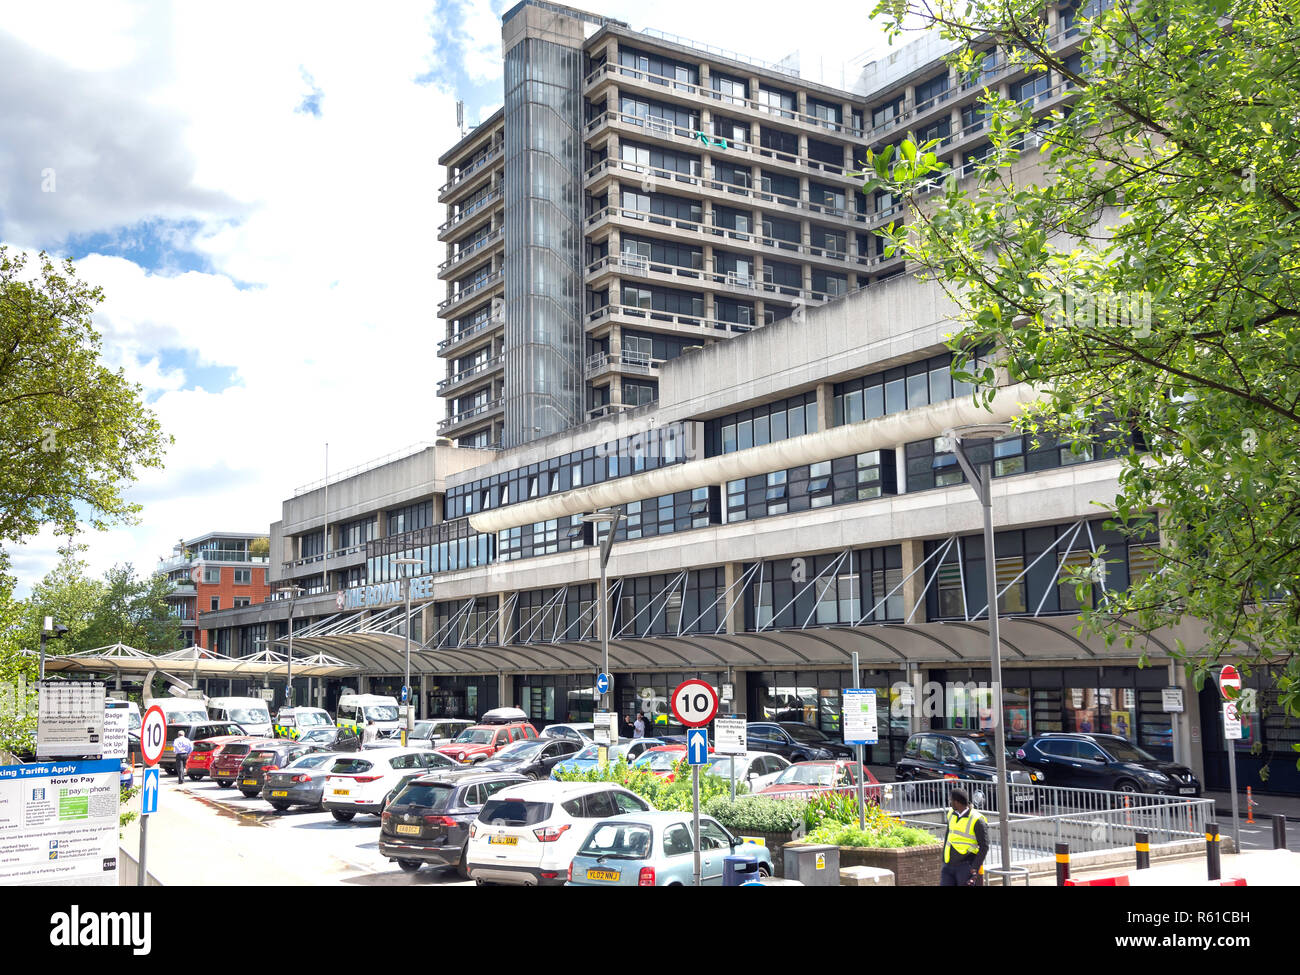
{"x":674,"y":796}
{"x":1137,"y":258}
{"x":757,"y":814}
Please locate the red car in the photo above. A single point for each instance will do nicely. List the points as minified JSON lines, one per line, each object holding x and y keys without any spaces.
{"x":663,"y":759}
{"x":205,"y":753}
{"x":804,"y":780}
{"x":480,"y":741}
{"x":225,"y":767}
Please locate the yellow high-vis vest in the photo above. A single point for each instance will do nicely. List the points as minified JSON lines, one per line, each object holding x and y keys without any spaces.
{"x":961,"y":832}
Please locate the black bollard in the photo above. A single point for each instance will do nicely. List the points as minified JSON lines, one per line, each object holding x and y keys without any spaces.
{"x":1062,"y":863}
{"x":1143,"y":842}
{"x":1279,"y":832}
{"x":1213,"y":863}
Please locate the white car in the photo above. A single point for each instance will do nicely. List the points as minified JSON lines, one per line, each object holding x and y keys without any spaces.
{"x":583,"y":731}
{"x":364,"y":781}
{"x":757,"y":770}
{"x":528,"y":834}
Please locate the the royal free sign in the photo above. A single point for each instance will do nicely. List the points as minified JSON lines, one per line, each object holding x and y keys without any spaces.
{"x":694,"y":702}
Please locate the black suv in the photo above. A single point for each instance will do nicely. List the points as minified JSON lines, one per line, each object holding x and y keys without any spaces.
{"x":960,"y":754}
{"x":1108,"y":762}
{"x":428,"y":820}
{"x":794,"y":740}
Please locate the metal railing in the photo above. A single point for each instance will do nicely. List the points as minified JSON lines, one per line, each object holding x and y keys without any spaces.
{"x":468,"y":330}
{"x":473,"y":168}
{"x":477,"y":286}
{"x":369,"y":465}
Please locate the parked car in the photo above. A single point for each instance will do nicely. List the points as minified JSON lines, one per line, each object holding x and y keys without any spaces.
{"x":793,"y":740}
{"x":428,"y":820}
{"x":629,"y":749}
{"x":294,"y":722}
{"x":655,"y":849}
{"x":432,"y":732}
{"x":756,"y":770}
{"x":250,"y":713}
{"x":320,"y":737}
{"x":533,"y":758}
{"x":205,"y":752}
{"x":270,"y":758}
{"x":811,"y":778}
{"x":583,"y":732}
{"x":964,"y":754}
{"x":481,"y":741}
{"x":301,"y":782}
{"x":1109,"y":762}
{"x":527,"y":834}
{"x":366,"y":781}
{"x":224,"y":768}
{"x":195,"y":732}
{"x":662,"y":760}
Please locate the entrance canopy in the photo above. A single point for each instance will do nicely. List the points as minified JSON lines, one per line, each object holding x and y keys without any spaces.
{"x":880,"y":646}
{"x":194,"y":662}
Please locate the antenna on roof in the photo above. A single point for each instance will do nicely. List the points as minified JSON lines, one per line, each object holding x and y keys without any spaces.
{"x":460,"y":117}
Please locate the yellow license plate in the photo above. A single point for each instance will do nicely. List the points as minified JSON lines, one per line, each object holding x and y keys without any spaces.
{"x":277,"y":795}
{"x":602,"y":874}
{"x":343,"y":792}
{"x":409,"y":830}
{"x":250,"y":781}
{"x":503,"y":840}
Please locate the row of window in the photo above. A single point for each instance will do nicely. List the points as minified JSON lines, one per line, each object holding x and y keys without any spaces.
{"x":791,"y":417}
{"x":843,"y":480}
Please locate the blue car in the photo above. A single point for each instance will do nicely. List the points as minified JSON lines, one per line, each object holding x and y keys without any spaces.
{"x":627,"y":748}
{"x":655,"y":849}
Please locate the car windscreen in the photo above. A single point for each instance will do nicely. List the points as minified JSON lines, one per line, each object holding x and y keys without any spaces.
{"x":427,"y":796}
{"x":249,"y":715}
{"x":722,"y":767}
{"x":476,"y":736}
{"x":186,"y":717}
{"x":423,"y":729}
{"x":514,"y":812}
{"x":205,"y":746}
{"x":351,"y":766}
{"x":262,"y":757}
{"x":806,"y":775}
{"x":317,"y":734}
{"x":235,"y":750}
{"x":659,"y":761}
{"x":521,"y":750}
{"x":381,"y":712}
{"x":1122,"y":751}
{"x":801,"y":732}
{"x":312,"y":720}
{"x":974,"y":751}
{"x":622,"y":841}
{"x":311,"y":761}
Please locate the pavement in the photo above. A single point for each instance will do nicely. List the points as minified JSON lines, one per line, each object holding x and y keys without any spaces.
{"x":1259,"y":868}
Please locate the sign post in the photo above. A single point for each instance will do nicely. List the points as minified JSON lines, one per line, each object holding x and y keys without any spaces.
{"x":1230,"y":688}
{"x":859,"y":730}
{"x":695,"y":703}
{"x":153,"y":737}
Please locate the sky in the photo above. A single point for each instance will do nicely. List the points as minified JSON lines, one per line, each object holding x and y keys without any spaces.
{"x":254,"y":186}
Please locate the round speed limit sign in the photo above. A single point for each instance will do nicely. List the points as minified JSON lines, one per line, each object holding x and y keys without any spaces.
{"x":694,"y":702}
{"x":153,"y":735}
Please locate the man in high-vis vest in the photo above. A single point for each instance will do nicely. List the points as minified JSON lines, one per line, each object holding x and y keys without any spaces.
{"x":966,"y":843}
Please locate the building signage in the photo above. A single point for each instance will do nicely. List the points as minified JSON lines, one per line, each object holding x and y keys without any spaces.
{"x":731,"y":734}
{"x":386,"y":593}
{"x":1171,"y":698}
{"x":70,"y":718}
{"x":860,"y":716}
{"x":58,"y":823}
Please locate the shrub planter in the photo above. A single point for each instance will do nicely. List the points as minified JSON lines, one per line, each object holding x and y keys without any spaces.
{"x":775,"y":843}
{"x":912,"y":866}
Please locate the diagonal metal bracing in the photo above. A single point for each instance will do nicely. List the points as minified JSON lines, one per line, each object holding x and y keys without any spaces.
{"x":1025,"y":571}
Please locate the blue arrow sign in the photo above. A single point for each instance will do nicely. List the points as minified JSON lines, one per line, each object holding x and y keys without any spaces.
{"x":697,"y":746}
{"x":149,"y":801}
{"x":404,"y":690}
{"x":602,"y":683}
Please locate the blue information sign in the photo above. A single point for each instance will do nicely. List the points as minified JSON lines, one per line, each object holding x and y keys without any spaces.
{"x":149,"y":798}
{"x":697,"y":746}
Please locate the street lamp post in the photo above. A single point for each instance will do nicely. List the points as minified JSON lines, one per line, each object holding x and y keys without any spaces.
{"x":981,"y":481}
{"x":406,"y":681}
{"x":292,"y":592}
{"x":610,"y":518}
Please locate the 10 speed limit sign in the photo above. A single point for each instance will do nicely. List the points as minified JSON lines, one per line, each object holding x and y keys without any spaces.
{"x":153,"y":735}
{"x":694,"y":703}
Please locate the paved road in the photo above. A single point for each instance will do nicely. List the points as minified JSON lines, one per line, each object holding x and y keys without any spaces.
{"x":203,"y":834}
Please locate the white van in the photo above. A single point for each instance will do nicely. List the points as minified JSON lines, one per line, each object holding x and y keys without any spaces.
{"x":292,"y":722}
{"x":249,"y":713}
{"x":355,"y":711}
{"x":179,"y":710}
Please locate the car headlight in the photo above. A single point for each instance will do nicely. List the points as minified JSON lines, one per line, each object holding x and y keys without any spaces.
{"x":461,"y":757}
{"x":1158,"y":776}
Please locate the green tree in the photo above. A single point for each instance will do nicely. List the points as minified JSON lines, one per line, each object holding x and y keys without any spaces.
{"x":1135,"y":255}
{"x":72,"y":432}
{"x":133,"y":611}
{"x":70,"y":596}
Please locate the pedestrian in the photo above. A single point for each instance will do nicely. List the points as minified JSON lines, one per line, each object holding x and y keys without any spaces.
{"x":966,"y":843}
{"x":369,"y":734}
{"x":181,"y":749}
{"x":638,"y":726}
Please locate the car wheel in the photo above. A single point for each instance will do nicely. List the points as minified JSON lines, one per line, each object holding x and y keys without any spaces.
{"x":1126,"y":786}
{"x":342,"y":815}
{"x":279,"y":806}
{"x":763,"y":871}
{"x":410,"y":866}
{"x":462,"y":867}
{"x":225,"y":783}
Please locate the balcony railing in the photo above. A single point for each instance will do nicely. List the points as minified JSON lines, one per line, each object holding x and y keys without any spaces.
{"x":473,"y":169}
{"x":638,"y":363}
{"x":477,"y":207}
{"x":320,"y":557}
{"x":210,"y":555}
{"x":459,"y":418}
{"x":476,"y":287}
{"x":470,"y":250}
{"x":489,"y":364}
{"x":465,"y":333}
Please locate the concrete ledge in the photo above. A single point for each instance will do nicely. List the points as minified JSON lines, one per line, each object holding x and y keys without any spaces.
{"x":866,"y":877}
{"x":128,"y":870}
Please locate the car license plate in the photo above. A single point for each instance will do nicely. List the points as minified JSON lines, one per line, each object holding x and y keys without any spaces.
{"x":1187,"y":790}
{"x":602,"y":874}
{"x":343,"y":792}
{"x":278,"y":795}
{"x":503,"y":840}
{"x":409,"y":830}
{"x":250,"y":781}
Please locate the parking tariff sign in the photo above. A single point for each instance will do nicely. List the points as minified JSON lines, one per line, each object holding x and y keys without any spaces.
{"x":860,"y":716}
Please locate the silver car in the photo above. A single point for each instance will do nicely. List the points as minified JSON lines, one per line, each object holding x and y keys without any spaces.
{"x":300,"y":783}
{"x":655,"y":849}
